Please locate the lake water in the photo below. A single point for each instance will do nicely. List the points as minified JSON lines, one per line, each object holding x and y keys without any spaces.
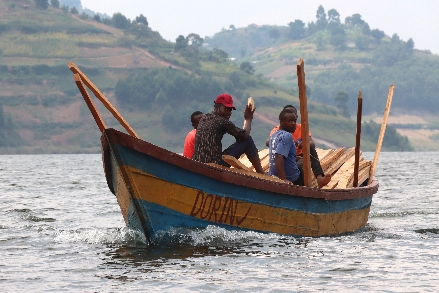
{"x":61,"y":230}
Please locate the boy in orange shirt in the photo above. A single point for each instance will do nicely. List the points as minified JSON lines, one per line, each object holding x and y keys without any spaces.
{"x":322,"y":179}
{"x":189,"y":142}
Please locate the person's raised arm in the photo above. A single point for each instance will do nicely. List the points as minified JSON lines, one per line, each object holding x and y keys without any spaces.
{"x":248,"y":117}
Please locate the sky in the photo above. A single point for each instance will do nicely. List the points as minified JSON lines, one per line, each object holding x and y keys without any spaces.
{"x":418,"y":20}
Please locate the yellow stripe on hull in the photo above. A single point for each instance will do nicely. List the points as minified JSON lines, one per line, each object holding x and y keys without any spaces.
{"x":254,"y":216}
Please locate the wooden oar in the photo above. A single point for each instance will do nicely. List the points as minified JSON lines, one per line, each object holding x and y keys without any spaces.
{"x":89,"y":102}
{"x":304,"y":122}
{"x":381,"y":137}
{"x":102,"y":98}
{"x":358,"y":138}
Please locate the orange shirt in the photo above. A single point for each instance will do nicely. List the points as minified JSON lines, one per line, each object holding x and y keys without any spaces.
{"x":296,"y":135}
{"x":189,"y":144}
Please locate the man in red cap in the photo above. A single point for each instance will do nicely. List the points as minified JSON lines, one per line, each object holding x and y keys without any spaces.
{"x":213,"y":126}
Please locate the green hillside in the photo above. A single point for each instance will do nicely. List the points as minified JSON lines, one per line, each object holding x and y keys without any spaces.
{"x":155,"y":84}
{"x":347,"y":56}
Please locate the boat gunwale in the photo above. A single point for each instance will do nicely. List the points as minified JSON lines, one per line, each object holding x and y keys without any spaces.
{"x":114,"y":136}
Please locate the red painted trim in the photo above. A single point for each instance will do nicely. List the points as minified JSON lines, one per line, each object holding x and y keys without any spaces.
{"x":117,"y":137}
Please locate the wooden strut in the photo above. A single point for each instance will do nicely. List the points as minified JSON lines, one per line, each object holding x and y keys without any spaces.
{"x":358,"y":138}
{"x":381,"y":137}
{"x":89,"y":102}
{"x":81,"y":79}
{"x":304,"y":122}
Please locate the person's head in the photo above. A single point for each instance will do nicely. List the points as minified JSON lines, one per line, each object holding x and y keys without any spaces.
{"x":195,"y":118}
{"x":223,"y":105}
{"x":287,"y":120}
{"x":291,"y":107}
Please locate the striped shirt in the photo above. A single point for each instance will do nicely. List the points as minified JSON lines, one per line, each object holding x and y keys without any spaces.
{"x":210,"y":132}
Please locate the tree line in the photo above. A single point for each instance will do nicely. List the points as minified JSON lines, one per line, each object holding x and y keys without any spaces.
{"x":118,"y":20}
{"x":415,"y":80}
{"x":170,"y":87}
{"x":8,"y":136}
{"x":328,"y":28}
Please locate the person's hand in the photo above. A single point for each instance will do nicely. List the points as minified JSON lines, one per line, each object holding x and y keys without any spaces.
{"x":248,"y":113}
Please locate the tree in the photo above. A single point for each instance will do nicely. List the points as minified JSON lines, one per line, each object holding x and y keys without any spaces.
{"x":106,"y":21}
{"x":219,"y":55}
{"x":55,"y":3}
{"x":297,"y":30}
{"x":142,"y":19}
{"x":354,"y":20}
{"x":321,"y":22}
{"x":97,"y":18}
{"x":247,"y":68}
{"x":120,"y":21}
{"x":377,"y":35}
{"x":366,"y":29}
{"x":341,"y":98}
{"x":42,"y":4}
{"x":333,"y":16}
{"x":395,"y":39}
{"x":232,"y":27}
{"x":274,"y":34}
{"x":74,"y":10}
{"x":65,"y":8}
{"x":410,"y":44}
{"x":194,"y":40}
{"x":180,"y":43}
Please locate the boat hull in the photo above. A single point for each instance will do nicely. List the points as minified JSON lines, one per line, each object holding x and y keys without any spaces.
{"x":157,"y":189}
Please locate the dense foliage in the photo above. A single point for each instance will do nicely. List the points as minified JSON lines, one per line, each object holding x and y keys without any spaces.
{"x":416,"y":84}
{"x":8,"y":136}
{"x":172,"y":87}
{"x":393,"y":141}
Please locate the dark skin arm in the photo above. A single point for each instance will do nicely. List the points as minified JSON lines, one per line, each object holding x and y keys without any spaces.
{"x":311,"y":143}
{"x":279,"y":161}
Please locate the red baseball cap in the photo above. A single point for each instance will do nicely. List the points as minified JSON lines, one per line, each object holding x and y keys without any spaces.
{"x":226,"y":100}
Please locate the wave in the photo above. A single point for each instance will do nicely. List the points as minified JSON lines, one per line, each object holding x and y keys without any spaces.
{"x":101,"y":236}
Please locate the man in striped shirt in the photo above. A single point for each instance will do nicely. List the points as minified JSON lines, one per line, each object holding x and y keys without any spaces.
{"x":213,"y":126}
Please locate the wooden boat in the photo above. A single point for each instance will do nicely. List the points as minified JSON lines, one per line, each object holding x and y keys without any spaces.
{"x":157,"y":189}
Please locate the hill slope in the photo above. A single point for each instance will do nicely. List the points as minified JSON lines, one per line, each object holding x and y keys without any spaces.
{"x":44,"y":113}
{"x":348,"y":57}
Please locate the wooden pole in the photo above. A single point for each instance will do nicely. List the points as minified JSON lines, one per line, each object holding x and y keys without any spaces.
{"x":102,"y":98}
{"x":358,"y":138}
{"x":89,"y":102}
{"x":381,"y":137}
{"x":304,"y":122}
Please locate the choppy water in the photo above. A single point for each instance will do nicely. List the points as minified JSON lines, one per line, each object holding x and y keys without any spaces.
{"x":61,"y":230}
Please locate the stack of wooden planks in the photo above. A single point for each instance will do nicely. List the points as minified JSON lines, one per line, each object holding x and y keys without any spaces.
{"x":339,"y":163}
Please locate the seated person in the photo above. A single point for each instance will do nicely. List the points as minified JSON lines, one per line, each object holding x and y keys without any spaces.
{"x":213,"y":126}
{"x":322,"y":179}
{"x":282,"y":150}
{"x":189,"y":142}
